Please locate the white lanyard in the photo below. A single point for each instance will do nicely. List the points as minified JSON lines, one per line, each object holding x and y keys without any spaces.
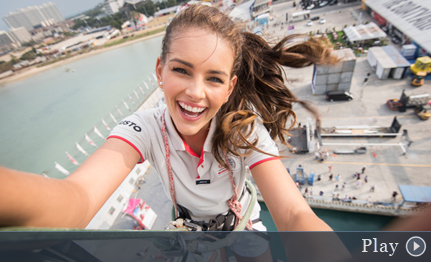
{"x":233,"y":203}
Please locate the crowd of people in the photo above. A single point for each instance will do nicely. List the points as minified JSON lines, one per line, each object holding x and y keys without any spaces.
{"x":342,"y":187}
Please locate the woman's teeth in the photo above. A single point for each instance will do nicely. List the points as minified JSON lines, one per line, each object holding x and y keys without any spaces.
{"x":191,"y":109}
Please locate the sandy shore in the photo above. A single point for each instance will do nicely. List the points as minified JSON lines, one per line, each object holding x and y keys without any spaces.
{"x":35,"y":70}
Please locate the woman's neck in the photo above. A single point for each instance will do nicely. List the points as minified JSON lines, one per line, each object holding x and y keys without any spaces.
{"x":196,"y":141}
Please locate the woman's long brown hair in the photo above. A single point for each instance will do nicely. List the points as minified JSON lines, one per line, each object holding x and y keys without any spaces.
{"x":260,"y":90}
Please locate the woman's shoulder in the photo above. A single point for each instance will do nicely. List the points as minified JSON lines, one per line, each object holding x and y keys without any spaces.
{"x":144,"y":121}
{"x":151,"y":114}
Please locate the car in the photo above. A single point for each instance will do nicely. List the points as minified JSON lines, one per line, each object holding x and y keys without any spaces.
{"x":310,"y":7}
{"x":339,"y":95}
{"x":315,"y":18}
{"x":309,"y":23}
{"x":322,"y":21}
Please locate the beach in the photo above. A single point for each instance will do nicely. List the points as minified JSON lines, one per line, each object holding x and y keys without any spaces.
{"x":25,"y":73}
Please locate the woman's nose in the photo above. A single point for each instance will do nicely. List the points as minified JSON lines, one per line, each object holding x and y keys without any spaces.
{"x":195,"y":90}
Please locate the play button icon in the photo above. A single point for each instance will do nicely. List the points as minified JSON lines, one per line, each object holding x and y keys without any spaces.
{"x":416,"y":246}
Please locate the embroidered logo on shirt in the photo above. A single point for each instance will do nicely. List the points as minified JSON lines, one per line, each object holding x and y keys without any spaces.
{"x":219,"y":170}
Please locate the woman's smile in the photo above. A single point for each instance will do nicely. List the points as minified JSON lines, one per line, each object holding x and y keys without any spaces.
{"x":191,"y":112}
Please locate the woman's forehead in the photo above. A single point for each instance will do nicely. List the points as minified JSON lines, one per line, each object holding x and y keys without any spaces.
{"x":200,"y":45}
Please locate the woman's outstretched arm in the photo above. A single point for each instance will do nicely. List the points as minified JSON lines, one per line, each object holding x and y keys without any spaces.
{"x":33,"y":200}
{"x":285,"y":203}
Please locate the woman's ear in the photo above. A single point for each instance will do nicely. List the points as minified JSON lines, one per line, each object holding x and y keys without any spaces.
{"x":159,"y":67}
{"x":232,"y":84}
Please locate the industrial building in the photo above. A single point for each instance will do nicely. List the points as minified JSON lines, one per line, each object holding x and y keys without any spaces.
{"x":409,"y":21}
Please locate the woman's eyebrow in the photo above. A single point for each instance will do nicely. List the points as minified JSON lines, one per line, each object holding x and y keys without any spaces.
{"x":217,"y":72}
{"x":182,"y":62}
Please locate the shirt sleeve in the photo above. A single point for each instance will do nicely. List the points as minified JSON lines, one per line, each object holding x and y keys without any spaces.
{"x":132,"y":131}
{"x":265,"y":143}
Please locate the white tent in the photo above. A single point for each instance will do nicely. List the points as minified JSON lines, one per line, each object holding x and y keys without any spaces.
{"x":242,"y":12}
{"x":364,"y":32}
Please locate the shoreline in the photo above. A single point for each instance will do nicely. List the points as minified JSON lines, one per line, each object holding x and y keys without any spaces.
{"x":35,"y":70}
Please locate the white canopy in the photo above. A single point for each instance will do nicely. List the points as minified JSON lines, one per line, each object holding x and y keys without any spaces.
{"x":364,"y":32}
{"x":242,"y":12}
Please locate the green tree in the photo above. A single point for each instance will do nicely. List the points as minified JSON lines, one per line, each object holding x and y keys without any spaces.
{"x":29,"y":43}
{"x":115,"y":24}
{"x":149,"y":8}
{"x":79,"y":23}
{"x":68,"y":34}
{"x":171,"y":3}
{"x":30,"y":55}
{"x":13,"y":60}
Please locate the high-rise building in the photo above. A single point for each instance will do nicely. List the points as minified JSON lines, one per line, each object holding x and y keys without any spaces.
{"x":112,"y":6}
{"x":34,"y":16}
{"x":20,"y":35}
{"x":7,"y":43}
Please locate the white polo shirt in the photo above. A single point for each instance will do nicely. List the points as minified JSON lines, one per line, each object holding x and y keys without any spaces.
{"x":202,"y":185}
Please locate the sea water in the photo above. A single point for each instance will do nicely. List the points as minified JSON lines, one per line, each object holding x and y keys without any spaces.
{"x":44,"y":115}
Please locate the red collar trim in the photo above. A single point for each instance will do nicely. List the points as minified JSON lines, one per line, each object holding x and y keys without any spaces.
{"x":190,"y":150}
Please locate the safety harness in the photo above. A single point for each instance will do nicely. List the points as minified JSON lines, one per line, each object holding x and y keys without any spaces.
{"x":221,"y":222}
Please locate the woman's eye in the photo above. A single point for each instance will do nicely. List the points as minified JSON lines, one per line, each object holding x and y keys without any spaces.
{"x":216,"y":80}
{"x":180,"y":70}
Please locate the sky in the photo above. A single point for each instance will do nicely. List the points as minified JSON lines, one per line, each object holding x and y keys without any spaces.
{"x":66,"y":7}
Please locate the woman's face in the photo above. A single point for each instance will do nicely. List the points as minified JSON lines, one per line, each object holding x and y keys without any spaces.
{"x":196,"y":76}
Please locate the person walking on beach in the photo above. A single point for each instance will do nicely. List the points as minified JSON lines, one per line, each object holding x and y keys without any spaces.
{"x":363,"y":169}
{"x":373,"y":187}
{"x":366,"y":179}
{"x":330,"y":168}
{"x":343,"y":186}
{"x":225,"y":99}
{"x":358,"y":176}
{"x":330,"y":177}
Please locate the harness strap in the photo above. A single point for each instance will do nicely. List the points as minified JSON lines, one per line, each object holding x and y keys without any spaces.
{"x":233,"y":203}
{"x":168,"y":164}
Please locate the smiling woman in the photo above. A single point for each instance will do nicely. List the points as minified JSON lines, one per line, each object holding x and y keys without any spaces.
{"x":225,"y":104}
{"x":196,"y":80}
